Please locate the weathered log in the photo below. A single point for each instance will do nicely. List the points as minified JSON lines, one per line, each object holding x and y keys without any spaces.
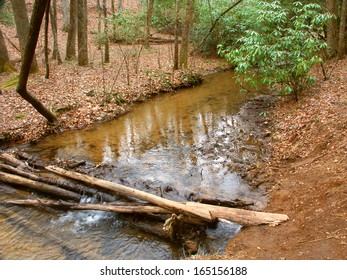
{"x":129,"y":208}
{"x":174,"y":206}
{"x":10,"y":159}
{"x":241,"y":216}
{"x":38,"y":186}
{"x":109,"y":207}
{"x":59,"y":183}
{"x":208,"y":199}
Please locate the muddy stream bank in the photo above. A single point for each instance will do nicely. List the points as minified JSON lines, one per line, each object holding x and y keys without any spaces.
{"x":209,"y":139}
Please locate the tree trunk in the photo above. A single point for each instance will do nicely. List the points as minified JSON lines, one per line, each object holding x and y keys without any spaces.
{"x":53,"y":14}
{"x":66,"y":15}
{"x":156,"y":200}
{"x":82,"y":31}
{"x":150,"y":7}
{"x":185,"y":34}
{"x":72,"y":32}
{"x":46,"y":40}
{"x":5,"y":63}
{"x":107,"y":49}
{"x":22,"y":27}
{"x":332,"y":31}
{"x":176,"y":46}
{"x":342,"y":33}
{"x":34,"y":30}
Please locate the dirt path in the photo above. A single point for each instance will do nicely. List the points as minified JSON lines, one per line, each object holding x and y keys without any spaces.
{"x":308,"y":170}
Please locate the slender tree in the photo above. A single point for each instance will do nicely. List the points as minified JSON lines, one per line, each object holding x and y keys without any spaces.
{"x":150,"y":8}
{"x":332,"y":30}
{"x":46,"y":39}
{"x":107,"y":48}
{"x":176,"y":43}
{"x":185,"y":35}
{"x":72,"y":33}
{"x":82,"y":33}
{"x":53,"y":16}
{"x":33,"y":35}
{"x":22,"y":26}
{"x":5,"y":63}
{"x":66,"y":15}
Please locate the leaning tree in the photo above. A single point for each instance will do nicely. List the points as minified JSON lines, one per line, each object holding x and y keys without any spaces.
{"x":29,"y":52}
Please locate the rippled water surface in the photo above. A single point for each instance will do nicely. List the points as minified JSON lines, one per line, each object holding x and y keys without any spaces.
{"x":187,"y":141}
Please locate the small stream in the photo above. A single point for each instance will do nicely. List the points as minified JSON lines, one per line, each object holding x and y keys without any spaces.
{"x":189,"y":141}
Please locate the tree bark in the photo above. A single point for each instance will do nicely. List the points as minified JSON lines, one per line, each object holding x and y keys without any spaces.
{"x":66,"y":15}
{"x":82,"y":32}
{"x":176,"y":41}
{"x":5,"y":63}
{"x":22,"y":26}
{"x":342,"y":32}
{"x":53,"y":15}
{"x":186,"y":34}
{"x":162,"y":202}
{"x":46,"y":40}
{"x":34,"y":30}
{"x":332,"y":30}
{"x":150,"y":7}
{"x":72,"y":32}
{"x":107,"y":48}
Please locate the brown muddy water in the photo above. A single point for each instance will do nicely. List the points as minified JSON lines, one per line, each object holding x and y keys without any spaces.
{"x":190,"y":141}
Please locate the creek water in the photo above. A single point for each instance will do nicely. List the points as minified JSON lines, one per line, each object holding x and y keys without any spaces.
{"x":190,"y":141}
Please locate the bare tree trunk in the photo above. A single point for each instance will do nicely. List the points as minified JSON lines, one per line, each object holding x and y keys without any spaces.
{"x":53,"y":14}
{"x":46,"y":40}
{"x":22,"y":27}
{"x":185,"y":35}
{"x":332,"y":31}
{"x":82,"y":32}
{"x":150,"y":7}
{"x":342,"y":33}
{"x":34,"y":30}
{"x":66,"y":15}
{"x":5,"y":63}
{"x":176,"y":45}
{"x":107,"y":48}
{"x":71,"y":37}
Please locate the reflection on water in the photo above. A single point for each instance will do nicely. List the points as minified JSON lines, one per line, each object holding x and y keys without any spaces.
{"x":186,"y":140}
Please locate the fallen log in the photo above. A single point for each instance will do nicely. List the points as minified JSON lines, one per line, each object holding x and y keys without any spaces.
{"x":38,"y":186}
{"x":10,"y":159}
{"x":109,"y":207}
{"x":174,"y":206}
{"x":208,"y":199}
{"x":61,"y":184}
{"x":241,"y":216}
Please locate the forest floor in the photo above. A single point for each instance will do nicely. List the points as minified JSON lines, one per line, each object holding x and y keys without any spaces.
{"x":307,"y":169}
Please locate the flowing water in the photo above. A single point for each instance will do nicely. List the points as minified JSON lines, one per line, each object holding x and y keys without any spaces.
{"x":189,"y":141}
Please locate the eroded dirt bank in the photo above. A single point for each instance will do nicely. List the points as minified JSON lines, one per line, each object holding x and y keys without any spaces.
{"x":308,"y":171}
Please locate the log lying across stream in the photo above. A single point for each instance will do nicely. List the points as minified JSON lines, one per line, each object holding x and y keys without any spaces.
{"x":19,"y":173}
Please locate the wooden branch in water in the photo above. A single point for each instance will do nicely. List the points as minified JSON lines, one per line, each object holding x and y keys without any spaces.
{"x":38,"y":186}
{"x":241,"y":216}
{"x":174,"y":206}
